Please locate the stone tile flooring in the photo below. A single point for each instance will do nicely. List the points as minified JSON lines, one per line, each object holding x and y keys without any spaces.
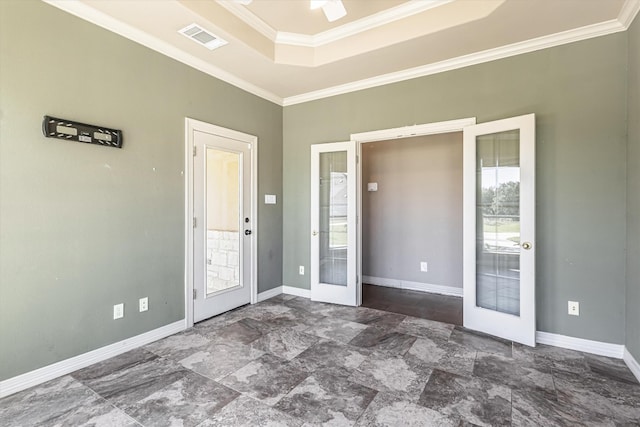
{"x":291,"y":362}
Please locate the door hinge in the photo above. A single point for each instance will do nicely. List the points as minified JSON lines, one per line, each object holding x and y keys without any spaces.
{"x":357,"y":279}
{"x":195,"y":293}
{"x":194,"y":222}
{"x":357,"y":159}
{"x":194,"y":151}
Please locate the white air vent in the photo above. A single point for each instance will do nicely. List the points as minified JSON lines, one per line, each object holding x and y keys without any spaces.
{"x":202,"y":36}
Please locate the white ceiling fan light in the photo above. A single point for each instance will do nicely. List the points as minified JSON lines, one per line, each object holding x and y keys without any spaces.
{"x":334,"y":10}
{"x":317,"y":4}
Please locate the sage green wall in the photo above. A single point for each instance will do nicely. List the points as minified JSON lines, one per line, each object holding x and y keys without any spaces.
{"x":85,"y":227}
{"x":578,"y":93}
{"x":633,"y":193}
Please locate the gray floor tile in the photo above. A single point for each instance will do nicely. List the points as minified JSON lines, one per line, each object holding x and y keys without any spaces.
{"x":326,"y":400}
{"x":186,"y":402}
{"x":389,"y":410}
{"x":393,"y":374}
{"x":388,"y":341}
{"x":245,"y":412}
{"x":471,"y":399}
{"x":267,"y":379}
{"x":332,"y":357}
{"x":60,"y":402}
{"x":425,"y":328}
{"x":444,"y":355}
{"x":285,"y":343}
{"x":219,"y":359}
{"x":480,"y":341}
{"x":336,"y":329}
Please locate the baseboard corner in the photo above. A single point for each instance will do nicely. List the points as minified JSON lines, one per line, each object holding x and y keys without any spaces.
{"x":263,"y":296}
{"x":580,"y":344}
{"x":632,"y":363}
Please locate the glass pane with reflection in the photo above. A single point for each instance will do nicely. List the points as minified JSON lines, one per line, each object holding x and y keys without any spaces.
{"x":498,"y":222}
{"x":223,"y":220}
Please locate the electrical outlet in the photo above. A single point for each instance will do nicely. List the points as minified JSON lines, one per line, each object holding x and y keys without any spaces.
{"x":118,"y":311}
{"x":574,"y":308}
{"x":143,"y":304}
{"x":424,"y":267}
{"x":301,"y":270}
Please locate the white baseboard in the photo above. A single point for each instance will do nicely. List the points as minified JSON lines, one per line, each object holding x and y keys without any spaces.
{"x":58,"y":369}
{"x":299,"y":292}
{"x":414,"y":286}
{"x":632,"y":363}
{"x":579,"y":344}
{"x":270,"y":293}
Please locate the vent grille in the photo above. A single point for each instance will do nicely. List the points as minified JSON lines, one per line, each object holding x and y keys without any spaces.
{"x":202,"y":36}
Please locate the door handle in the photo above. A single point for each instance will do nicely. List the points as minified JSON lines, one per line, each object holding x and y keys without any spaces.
{"x":247,"y":232}
{"x":314,"y":233}
{"x":526,"y":246}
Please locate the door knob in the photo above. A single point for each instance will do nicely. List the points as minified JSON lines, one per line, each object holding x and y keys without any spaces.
{"x":314,"y":233}
{"x":526,"y":246}
{"x":247,"y":232}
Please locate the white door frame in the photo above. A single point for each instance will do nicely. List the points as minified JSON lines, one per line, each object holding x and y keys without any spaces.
{"x":191,"y":125}
{"x":389,"y":134}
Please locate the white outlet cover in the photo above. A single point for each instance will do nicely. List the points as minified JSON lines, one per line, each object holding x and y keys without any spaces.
{"x":372,"y":186}
{"x":143,"y":304}
{"x":269,"y":199}
{"x":118,"y":311}
{"x":424,"y":267}
{"x":574,"y":308}
{"x":301,"y":270}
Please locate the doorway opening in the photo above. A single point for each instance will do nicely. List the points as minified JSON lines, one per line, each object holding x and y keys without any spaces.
{"x":412,"y":234}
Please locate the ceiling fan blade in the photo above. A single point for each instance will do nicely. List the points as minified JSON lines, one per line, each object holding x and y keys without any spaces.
{"x":334,"y":10}
{"x":317,"y":4}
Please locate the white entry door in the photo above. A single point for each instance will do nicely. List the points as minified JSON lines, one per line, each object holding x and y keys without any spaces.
{"x":333,"y":223}
{"x":223,"y":233}
{"x":499,"y":228}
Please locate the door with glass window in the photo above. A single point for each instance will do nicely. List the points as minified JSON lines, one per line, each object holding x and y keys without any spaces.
{"x":499,"y":228}
{"x":222,"y":224}
{"x":333,"y":223}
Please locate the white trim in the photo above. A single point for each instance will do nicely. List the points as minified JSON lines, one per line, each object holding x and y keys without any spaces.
{"x":58,"y":369}
{"x":544,"y":42}
{"x":580,"y":344}
{"x":628,"y":12}
{"x":632,"y":363}
{"x":189,"y":126}
{"x":262,"y":296}
{"x":456,"y":125}
{"x":414,"y":286}
{"x":299,"y":292}
{"x":368,"y":23}
{"x":103,"y":20}
{"x":249,"y":18}
{"x":415,"y":130}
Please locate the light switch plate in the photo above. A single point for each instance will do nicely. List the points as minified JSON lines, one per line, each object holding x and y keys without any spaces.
{"x":424,"y":267}
{"x":372,"y":186}
{"x":269,"y":199}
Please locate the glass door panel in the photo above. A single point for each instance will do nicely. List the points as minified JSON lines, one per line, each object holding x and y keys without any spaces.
{"x":498,"y":221}
{"x":333,"y":218}
{"x":223,"y":220}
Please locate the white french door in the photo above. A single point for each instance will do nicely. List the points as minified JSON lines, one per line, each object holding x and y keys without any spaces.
{"x":222,"y":220}
{"x":333,"y":223}
{"x":499,"y":228}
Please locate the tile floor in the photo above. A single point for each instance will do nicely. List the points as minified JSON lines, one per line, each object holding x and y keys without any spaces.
{"x":291,"y":362}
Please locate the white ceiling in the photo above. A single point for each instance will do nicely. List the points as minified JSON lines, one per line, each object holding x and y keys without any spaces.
{"x":285,"y":52}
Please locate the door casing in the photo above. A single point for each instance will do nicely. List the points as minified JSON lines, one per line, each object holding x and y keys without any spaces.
{"x":393,"y":134}
{"x":190,"y":126}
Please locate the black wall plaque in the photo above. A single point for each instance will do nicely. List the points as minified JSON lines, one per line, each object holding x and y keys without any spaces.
{"x":53,"y":127}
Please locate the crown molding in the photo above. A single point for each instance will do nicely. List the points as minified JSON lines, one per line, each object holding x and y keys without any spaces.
{"x":361,"y":25}
{"x":570,"y":36}
{"x":628,"y":12}
{"x":249,"y":18}
{"x":103,"y":20}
